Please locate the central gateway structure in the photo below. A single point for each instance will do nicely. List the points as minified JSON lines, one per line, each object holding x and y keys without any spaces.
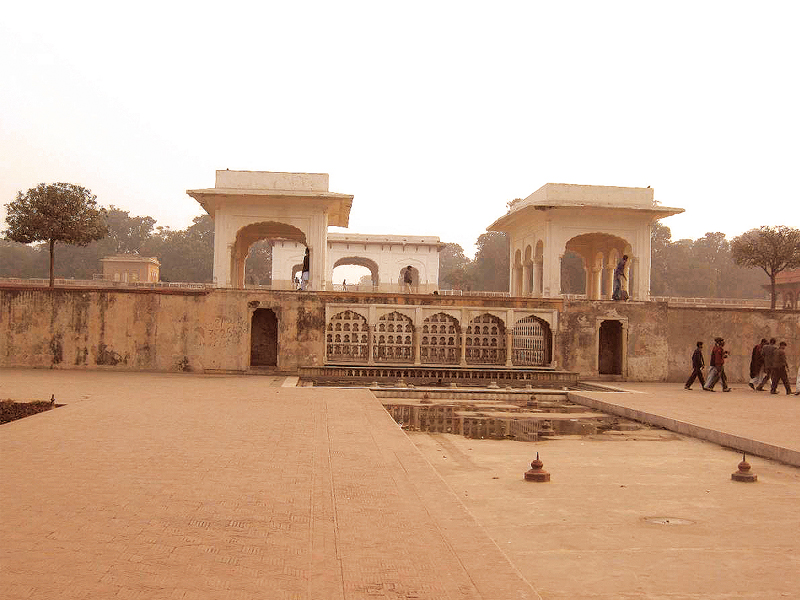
{"x":296,"y":209}
{"x":248,"y":206}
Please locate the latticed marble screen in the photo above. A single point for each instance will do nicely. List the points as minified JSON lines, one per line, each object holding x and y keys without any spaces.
{"x":393,"y":339}
{"x":438,"y":339}
{"x":486,"y":340}
{"x":441,"y":340}
{"x":347,"y":337}
{"x":531,"y":342}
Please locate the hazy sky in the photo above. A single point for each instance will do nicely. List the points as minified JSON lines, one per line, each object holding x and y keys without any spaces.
{"x":433,"y":114}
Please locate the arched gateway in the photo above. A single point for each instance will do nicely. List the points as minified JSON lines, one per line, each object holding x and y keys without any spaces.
{"x":248,"y":206}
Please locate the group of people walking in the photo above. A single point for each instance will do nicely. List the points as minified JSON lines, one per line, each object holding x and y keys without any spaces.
{"x":767,"y":363}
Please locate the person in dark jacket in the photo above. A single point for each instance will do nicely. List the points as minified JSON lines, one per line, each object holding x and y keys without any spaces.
{"x":780,"y":370}
{"x":306,"y":273}
{"x":619,"y":274}
{"x":717,"y":371}
{"x":697,"y":367}
{"x":757,"y":364}
{"x":768,"y":352}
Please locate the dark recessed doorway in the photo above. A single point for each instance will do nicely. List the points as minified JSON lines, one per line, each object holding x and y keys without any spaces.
{"x":610,"y":358}
{"x":264,"y":338}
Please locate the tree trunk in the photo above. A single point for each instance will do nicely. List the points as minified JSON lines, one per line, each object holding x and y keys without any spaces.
{"x":773,"y":293}
{"x":52,"y":261}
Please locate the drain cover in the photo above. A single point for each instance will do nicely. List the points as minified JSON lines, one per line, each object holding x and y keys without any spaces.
{"x":668,"y":521}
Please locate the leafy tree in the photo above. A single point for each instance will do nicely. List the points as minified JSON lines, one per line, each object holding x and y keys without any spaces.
{"x":185,"y":255}
{"x":21,"y":260}
{"x":258,"y":267}
{"x":660,"y":241}
{"x":125,"y":233}
{"x":57,"y":212}
{"x":774,"y":249}
{"x":489,"y":270}
{"x":453,"y":267}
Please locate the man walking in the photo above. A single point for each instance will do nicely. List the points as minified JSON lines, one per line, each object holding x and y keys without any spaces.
{"x":797,"y":384}
{"x":780,"y":370}
{"x":697,"y":367}
{"x":768,"y":352}
{"x":717,"y":370}
{"x":756,"y":364}
{"x":619,"y":275}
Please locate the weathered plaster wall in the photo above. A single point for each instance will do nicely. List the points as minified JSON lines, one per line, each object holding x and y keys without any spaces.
{"x":644,"y":338}
{"x":209,"y":331}
{"x":152,"y":330}
{"x":660,"y":339}
{"x":742,"y":329}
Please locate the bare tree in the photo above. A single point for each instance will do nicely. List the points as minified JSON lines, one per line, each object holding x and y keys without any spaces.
{"x":774,"y":249}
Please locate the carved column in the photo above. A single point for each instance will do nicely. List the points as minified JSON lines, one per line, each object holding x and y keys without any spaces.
{"x":610,"y":280}
{"x":597,"y":283}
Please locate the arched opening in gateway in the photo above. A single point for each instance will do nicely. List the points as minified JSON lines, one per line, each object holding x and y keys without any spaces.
{"x":249,"y":236}
{"x":357,"y":271}
{"x":263,"y":338}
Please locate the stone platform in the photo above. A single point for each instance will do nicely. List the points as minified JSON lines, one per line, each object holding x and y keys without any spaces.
{"x":222,"y":487}
{"x":213,"y":487}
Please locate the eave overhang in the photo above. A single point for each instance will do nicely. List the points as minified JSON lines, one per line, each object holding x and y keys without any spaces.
{"x":337,"y":205}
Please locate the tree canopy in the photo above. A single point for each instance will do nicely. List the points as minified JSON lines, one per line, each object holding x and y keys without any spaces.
{"x":56,"y":212}
{"x":773,"y":249}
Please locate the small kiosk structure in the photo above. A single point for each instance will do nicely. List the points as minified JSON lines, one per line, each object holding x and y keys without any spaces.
{"x":130,"y":268}
{"x":599,"y":223}
{"x":248,"y":206}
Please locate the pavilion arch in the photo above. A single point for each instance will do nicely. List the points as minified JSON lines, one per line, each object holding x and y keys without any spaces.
{"x":564,"y":215}
{"x":414,"y":277}
{"x":516,"y":274}
{"x":248,"y":206}
{"x":297,"y":271}
{"x":527,"y":271}
{"x":360,"y":261}
{"x":252,"y":233}
{"x":598,"y":249}
{"x":538,"y":262}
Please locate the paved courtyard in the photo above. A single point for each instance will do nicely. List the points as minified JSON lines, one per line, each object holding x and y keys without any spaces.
{"x":214,"y":487}
{"x":186,"y":486}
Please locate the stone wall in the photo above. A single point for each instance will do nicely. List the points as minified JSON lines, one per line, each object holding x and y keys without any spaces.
{"x":209,"y":331}
{"x":204,"y":331}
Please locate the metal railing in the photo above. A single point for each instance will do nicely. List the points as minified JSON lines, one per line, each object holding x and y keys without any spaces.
{"x":100,"y":282}
{"x":474,"y":293}
{"x":745,"y":302}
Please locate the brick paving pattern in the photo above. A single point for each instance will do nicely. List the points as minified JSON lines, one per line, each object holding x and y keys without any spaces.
{"x":197,"y":487}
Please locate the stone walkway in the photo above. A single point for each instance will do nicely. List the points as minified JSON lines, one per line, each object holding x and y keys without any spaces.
{"x":214,"y":487}
{"x":758,"y":423}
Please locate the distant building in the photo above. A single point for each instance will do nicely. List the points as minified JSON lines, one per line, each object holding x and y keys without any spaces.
{"x":130,"y":268}
{"x":787,"y":286}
